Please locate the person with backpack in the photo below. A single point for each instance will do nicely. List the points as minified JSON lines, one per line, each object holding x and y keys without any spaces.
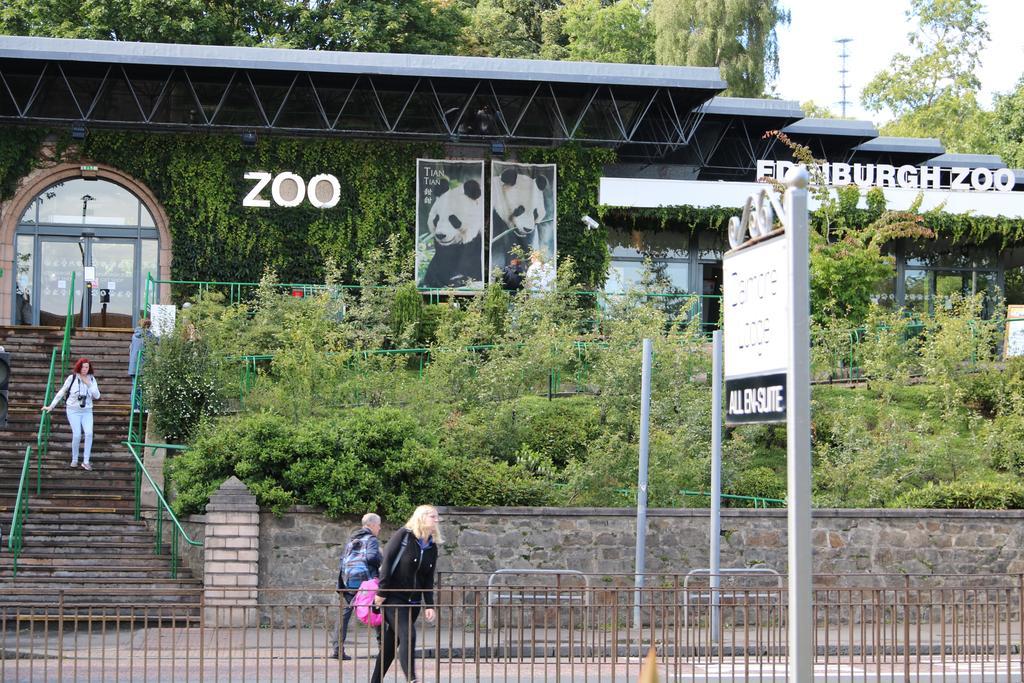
{"x":360,"y":562}
{"x":406,"y":583}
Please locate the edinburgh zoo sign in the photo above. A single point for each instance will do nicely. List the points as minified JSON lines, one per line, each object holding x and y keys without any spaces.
{"x":906,"y":176}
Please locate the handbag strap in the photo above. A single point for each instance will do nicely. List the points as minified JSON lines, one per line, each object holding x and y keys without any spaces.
{"x":401,"y":549}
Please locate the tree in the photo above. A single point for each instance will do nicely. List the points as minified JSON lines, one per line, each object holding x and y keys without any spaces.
{"x":814,"y":110}
{"x":1009,"y":126}
{"x":598,"y":31}
{"x":418,"y":26}
{"x":933,"y":92}
{"x":736,"y":36}
{"x":506,"y":28}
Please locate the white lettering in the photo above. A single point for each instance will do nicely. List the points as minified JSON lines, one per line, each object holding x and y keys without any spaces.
{"x":253,"y":198}
{"x":886,"y":175}
{"x":765,"y":169}
{"x":864,"y":174}
{"x":906,"y":176}
{"x":298,"y":192}
{"x":959,"y":178}
{"x":782,"y":168}
{"x":333,"y":188}
{"x":981,"y":179}
{"x":1005,"y":180}
{"x":931,"y":177}
{"x":840,"y":174}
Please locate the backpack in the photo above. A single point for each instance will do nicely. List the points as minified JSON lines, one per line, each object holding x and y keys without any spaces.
{"x":353,"y":562}
{"x":363,"y":603}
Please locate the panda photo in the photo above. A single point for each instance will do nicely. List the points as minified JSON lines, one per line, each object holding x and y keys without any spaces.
{"x":522,"y":212}
{"x":454,"y":238}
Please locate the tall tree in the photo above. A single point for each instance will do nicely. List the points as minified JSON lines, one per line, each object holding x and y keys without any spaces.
{"x":737,"y":36}
{"x":1009,"y":126}
{"x":933,"y":91}
{"x":506,"y":28}
{"x":602,"y":31}
{"x":420,"y":26}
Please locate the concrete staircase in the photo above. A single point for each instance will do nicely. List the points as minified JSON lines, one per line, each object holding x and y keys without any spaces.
{"x":80,"y":533}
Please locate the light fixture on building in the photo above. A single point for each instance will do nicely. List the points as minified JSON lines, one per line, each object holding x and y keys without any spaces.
{"x":498,"y":148}
{"x":248,"y":139}
{"x":78,"y":132}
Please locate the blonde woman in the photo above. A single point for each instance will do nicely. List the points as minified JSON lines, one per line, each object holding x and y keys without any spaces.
{"x":406,"y":585}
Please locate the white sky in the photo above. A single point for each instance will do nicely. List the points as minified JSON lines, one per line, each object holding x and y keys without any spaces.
{"x":809,"y":58}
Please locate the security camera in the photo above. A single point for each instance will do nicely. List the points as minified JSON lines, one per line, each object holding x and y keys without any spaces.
{"x":590,"y":223}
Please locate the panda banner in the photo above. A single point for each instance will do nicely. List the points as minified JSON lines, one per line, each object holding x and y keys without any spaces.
{"x":449,"y":223}
{"x":523,"y":224}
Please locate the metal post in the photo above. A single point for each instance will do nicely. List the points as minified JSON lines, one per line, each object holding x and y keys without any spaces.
{"x":716,"y":479}
{"x":641,"y":484}
{"x":798,"y":433}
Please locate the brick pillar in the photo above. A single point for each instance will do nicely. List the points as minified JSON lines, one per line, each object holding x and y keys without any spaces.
{"x":231,"y":556}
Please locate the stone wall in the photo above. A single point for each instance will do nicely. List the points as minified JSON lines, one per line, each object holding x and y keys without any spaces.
{"x":302,"y":547}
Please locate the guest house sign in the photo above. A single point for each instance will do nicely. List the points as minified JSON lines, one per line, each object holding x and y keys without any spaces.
{"x":906,"y":176}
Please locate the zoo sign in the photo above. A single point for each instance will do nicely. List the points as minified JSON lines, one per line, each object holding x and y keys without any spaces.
{"x":288,"y":189}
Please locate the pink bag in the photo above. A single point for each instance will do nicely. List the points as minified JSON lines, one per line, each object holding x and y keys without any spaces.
{"x":363,"y":602}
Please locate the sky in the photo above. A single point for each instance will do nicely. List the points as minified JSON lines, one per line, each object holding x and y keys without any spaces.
{"x":809,"y":58}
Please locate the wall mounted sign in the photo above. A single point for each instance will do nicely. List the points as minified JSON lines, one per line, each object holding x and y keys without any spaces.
{"x":288,"y":189}
{"x":906,"y":176}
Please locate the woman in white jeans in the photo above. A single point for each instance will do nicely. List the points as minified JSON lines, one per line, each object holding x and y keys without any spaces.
{"x":81,"y":389}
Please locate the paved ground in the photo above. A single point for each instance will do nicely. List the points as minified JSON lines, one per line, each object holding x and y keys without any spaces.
{"x":264,"y":654}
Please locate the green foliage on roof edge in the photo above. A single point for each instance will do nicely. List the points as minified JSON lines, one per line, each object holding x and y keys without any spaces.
{"x":199,"y":180}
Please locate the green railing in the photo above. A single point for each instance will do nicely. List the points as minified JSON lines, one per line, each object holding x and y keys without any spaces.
{"x":136,"y":440}
{"x":21,"y":508}
{"x":683,"y":306}
{"x":69,"y":328}
{"x":758,"y":501}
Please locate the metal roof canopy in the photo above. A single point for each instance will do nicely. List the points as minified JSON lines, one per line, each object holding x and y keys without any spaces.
{"x":897,"y":151}
{"x":646,"y":109}
{"x":731,"y":139}
{"x":831,"y":139}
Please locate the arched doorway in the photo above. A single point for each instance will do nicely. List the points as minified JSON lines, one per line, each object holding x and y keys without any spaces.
{"x":97,"y":229}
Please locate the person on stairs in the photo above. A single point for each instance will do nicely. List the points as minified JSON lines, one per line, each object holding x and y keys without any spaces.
{"x":81,"y":390}
{"x":140,"y":336}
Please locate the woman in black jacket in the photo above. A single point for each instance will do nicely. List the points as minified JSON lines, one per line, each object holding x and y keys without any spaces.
{"x":406,"y":583}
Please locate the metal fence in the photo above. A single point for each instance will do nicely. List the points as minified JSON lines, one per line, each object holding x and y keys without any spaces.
{"x":866,"y":628}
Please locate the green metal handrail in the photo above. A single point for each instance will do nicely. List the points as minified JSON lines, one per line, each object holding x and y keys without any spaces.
{"x":69,"y":326}
{"x":14,"y":542}
{"x":21,"y":509}
{"x":759,"y":501}
{"x":133,"y":442}
{"x":176,"y":530}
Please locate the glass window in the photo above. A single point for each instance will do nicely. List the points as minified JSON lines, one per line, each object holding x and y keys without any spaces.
{"x":29,"y":217}
{"x":885,"y":295}
{"x":710,"y":246}
{"x":25,"y":266}
{"x":147,"y":218}
{"x":624,"y":274}
{"x":640,"y":243}
{"x":948,"y":284}
{"x":88,"y":202}
{"x":937,"y":254}
{"x":149,"y":265}
{"x":915,"y":283}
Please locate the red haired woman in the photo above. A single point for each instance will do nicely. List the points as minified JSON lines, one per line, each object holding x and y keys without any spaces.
{"x":81,"y":389}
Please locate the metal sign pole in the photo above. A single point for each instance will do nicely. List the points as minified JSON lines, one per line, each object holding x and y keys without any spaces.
{"x":641,"y":484}
{"x":716,"y":479}
{"x":798,"y":433}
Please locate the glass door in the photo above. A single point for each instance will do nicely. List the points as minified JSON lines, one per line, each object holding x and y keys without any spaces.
{"x":113,"y":291}
{"x":58,"y":258}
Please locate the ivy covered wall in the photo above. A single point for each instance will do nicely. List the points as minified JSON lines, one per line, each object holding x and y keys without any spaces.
{"x":199,"y":180}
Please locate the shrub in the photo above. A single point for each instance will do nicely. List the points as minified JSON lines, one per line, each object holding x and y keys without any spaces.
{"x":364,"y":459}
{"x":181,"y":385}
{"x":406,"y":315}
{"x":975,"y":495}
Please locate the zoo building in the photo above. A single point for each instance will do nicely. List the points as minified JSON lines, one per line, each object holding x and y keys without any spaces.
{"x":123,"y":161}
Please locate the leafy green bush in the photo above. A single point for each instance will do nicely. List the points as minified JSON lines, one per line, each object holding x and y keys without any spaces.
{"x":406,"y":315}
{"x":974,"y":495}
{"x":363,"y":459}
{"x":181,"y":384}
